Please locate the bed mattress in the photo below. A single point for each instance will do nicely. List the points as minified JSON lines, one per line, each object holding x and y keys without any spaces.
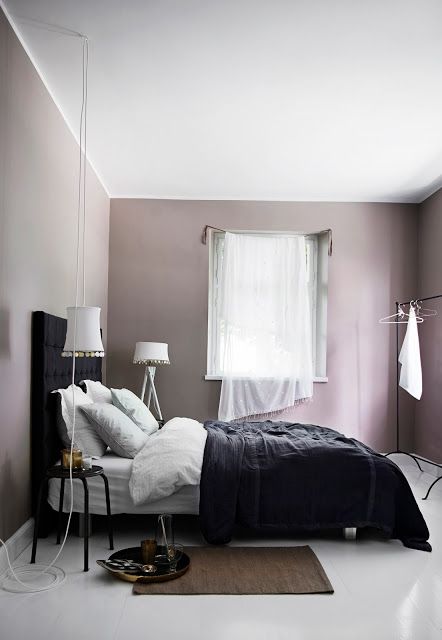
{"x":118,"y":471}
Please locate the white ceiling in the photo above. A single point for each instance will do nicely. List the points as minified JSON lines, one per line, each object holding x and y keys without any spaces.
{"x":251,"y":99}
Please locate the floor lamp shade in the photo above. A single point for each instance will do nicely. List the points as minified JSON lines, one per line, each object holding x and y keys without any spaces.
{"x":83,"y":335}
{"x":151,"y":353}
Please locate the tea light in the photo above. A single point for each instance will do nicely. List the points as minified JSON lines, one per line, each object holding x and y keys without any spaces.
{"x":149,"y":568}
{"x":87,"y":463}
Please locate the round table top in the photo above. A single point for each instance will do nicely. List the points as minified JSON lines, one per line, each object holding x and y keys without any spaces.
{"x":58,"y":471}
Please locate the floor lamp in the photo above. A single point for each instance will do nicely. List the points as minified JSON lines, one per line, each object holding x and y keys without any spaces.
{"x":151,"y":355}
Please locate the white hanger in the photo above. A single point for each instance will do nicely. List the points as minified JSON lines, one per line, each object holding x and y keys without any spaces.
{"x":402,"y":317}
{"x":422,"y":312}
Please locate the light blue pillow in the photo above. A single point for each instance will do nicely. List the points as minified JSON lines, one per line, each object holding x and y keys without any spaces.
{"x":135,"y":409}
{"x":115,"y":429}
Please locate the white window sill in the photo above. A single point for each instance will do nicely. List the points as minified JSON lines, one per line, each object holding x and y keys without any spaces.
{"x":212,"y":377}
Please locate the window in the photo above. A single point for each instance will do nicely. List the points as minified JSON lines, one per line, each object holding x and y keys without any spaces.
{"x":317,"y":273}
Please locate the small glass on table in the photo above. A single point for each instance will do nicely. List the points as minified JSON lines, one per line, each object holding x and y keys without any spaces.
{"x":168,"y":553}
{"x":175,"y":553}
{"x":164,"y":538}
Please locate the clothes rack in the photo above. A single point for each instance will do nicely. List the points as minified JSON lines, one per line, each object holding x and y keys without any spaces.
{"x":415,"y":457}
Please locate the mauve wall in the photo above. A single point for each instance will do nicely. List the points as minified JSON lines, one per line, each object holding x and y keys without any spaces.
{"x":158,"y":284}
{"x":38,"y":182}
{"x":428,"y":426}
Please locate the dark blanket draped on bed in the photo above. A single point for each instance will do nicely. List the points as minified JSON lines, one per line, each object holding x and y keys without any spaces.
{"x":281,"y":476}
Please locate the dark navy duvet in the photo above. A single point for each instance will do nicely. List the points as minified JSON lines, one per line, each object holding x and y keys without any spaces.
{"x":293,"y":477}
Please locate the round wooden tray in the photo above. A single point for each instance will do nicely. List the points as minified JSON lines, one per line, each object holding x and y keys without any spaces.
{"x":134,"y":553}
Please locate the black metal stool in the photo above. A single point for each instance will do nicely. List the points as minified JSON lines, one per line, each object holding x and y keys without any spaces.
{"x":83,"y":474}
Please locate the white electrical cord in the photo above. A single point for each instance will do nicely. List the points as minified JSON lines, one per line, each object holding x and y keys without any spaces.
{"x":11,"y":580}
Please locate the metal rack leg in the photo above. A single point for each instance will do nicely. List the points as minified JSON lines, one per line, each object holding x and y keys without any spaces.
{"x":60,"y":511}
{"x":108,"y":509}
{"x":86,"y":524}
{"x":431,"y":486}
{"x":404,"y":453}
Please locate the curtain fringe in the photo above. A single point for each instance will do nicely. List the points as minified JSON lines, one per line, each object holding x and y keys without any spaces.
{"x":272,"y":414}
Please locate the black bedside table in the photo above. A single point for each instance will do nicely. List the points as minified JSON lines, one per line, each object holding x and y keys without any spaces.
{"x":81,"y":474}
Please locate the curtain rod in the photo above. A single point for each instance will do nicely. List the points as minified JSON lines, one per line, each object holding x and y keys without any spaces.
{"x":328,"y":231}
{"x":206,"y":230}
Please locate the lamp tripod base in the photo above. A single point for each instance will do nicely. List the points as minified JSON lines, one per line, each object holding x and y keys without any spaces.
{"x":149,"y":377}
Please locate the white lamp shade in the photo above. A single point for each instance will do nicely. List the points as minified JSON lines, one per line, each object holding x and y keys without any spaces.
{"x":83,"y":334}
{"x":151,"y":353}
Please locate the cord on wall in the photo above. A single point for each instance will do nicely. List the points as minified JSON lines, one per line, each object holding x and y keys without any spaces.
{"x":12,"y":581}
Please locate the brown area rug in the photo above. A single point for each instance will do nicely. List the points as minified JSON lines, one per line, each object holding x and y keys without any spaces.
{"x":245,"y":570}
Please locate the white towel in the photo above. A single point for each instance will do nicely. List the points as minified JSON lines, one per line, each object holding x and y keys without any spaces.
{"x":410,"y":359}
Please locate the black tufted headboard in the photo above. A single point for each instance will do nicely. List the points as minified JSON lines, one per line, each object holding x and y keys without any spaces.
{"x":50,"y":371}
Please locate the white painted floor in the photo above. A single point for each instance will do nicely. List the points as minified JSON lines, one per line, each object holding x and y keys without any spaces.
{"x":382,"y":591}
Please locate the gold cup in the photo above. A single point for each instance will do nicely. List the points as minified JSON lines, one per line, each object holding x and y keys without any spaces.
{"x":77,"y":459}
{"x":148,"y":551}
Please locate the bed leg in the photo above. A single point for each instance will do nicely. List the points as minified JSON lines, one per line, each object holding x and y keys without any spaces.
{"x":349,"y":533}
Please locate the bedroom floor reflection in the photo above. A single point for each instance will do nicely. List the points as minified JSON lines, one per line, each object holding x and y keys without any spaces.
{"x":382,"y":591}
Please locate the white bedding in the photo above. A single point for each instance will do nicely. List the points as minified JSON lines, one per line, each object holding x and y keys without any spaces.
{"x":118,"y":471}
{"x":172,"y":458}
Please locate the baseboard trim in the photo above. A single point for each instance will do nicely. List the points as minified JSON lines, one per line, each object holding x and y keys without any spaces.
{"x":16,"y":544}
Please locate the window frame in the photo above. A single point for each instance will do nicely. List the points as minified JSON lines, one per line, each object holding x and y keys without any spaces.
{"x":319,"y":244}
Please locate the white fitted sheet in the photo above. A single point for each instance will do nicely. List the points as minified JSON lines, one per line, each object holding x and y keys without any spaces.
{"x":118,"y":471}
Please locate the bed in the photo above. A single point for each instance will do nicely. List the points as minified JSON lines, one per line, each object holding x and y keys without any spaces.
{"x":266,"y":476}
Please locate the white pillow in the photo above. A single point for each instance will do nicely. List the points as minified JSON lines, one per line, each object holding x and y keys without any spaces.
{"x":85,"y":437}
{"x":115,"y":428}
{"x":97,"y":392}
{"x":135,"y":409}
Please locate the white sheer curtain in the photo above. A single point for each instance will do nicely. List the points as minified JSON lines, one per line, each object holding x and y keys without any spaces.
{"x":266,"y":342}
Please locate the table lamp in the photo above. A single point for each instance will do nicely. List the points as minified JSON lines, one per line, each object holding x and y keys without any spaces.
{"x":151,"y":355}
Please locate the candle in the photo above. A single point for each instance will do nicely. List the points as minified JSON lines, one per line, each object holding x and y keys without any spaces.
{"x":77,"y":459}
{"x":148,"y":550}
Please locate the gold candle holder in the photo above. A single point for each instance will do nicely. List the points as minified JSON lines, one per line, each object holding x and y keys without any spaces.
{"x":77,"y":459}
